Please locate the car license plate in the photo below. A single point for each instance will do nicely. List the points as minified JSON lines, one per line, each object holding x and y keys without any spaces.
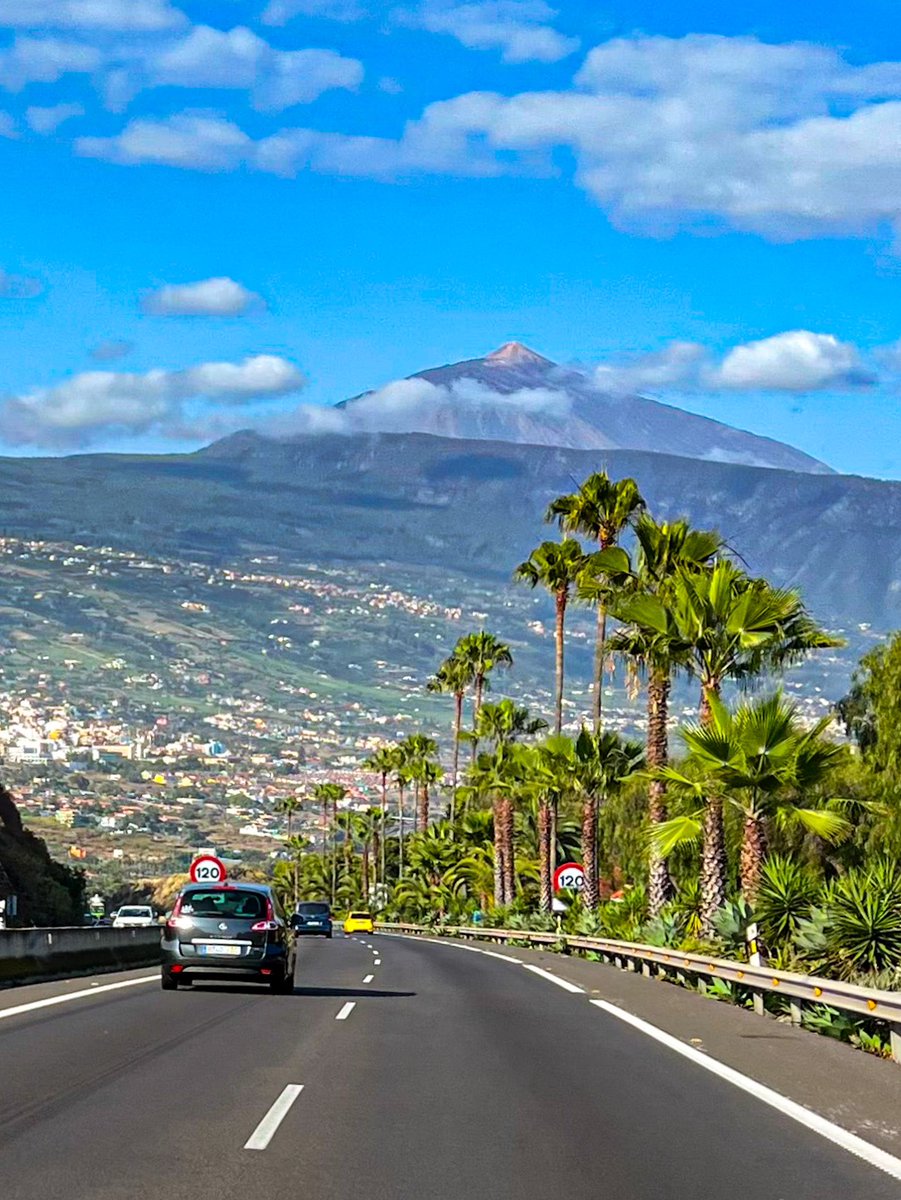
{"x":218,"y":948}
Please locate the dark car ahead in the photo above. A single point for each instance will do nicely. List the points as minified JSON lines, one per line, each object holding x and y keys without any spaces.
{"x":313,"y":917}
{"x":228,"y":931}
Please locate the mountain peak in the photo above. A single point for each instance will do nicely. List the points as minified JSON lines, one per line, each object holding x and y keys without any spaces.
{"x":515,"y":354}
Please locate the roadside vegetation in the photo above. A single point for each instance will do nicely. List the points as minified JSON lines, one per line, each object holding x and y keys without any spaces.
{"x":747,"y":812}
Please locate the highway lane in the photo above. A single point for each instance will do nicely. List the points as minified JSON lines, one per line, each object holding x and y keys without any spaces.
{"x":448,"y":1074}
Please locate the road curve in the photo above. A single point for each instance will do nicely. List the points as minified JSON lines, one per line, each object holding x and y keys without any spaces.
{"x":444,"y":1075}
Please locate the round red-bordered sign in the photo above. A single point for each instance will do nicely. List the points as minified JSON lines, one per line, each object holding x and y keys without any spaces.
{"x":569,"y":877}
{"x":206,"y":868}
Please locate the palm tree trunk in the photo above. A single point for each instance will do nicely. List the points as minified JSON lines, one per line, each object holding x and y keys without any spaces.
{"x":365,"y":866}
{"x":509,"y":856}
{"x":423,"y":821}
{"x":498,"y":853}
{"x":544,"y":857}
{"x":600,"y":652}
{"x":377,"y":847}
{"x":713,"y":865}
{"x":590,"y":852}
{"x":660,"y":884}
{"x":455,"y":772}
{"x":334,"y":849}
{"x":400,"y":831}
{"x":295,"y":883}
{"x":558,"y":639}
{"x":753,"y":856}
{"x":416,"y":794}
{"x":476,"y":709}
{"x":382,"y":840}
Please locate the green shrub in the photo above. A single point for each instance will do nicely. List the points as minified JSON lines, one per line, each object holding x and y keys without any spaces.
{"x":787,"y":892}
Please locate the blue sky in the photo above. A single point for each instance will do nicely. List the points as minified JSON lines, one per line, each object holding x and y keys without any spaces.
{"x":216,"y":211}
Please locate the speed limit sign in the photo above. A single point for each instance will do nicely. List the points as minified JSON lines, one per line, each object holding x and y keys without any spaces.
{"x":206,"y":868}
{"x":569,"y":877}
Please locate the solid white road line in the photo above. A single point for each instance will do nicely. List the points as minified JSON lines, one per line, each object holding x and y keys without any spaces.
{"x":834,"y":1133}
{"x":368,"y":978}
{"x":472,"y":949}
{"x":564,"y":983}
{"x":93,"y":990}
{"x":346,"y":1010}
{"x":265,"y":1131}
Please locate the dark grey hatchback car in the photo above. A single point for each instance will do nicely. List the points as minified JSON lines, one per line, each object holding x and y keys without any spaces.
{"x":231,"y":931}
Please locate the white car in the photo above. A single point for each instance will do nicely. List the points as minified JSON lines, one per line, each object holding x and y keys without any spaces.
{"x":132,"y":916}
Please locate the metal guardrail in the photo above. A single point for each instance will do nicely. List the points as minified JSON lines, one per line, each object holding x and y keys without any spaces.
{"x":678,"y":964}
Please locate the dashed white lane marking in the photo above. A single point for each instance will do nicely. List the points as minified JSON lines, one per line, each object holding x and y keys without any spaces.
{"x":376,"y":962}
{"x":265,"y":1131}
{"x":368,"y":978}
{"x":346,"y":1010}
{"x":93,"y":990}
{"x":871,"y":1154}
{"x":564,"y":983}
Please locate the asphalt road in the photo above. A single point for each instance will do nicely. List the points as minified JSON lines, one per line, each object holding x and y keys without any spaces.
{"x":427,"y":1073}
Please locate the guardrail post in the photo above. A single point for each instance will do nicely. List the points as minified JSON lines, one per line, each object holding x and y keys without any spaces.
{"x":895,"y":1040}
{"x":796,"y":1011}
{"x":757,"y":998}
{"x":646,"y":969}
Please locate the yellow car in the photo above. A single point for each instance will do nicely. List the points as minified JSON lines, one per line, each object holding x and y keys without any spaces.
{"x":358,"y":922}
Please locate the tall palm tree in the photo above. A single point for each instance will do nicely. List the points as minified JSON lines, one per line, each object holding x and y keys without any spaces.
{"x":550,"y":772}
{"x":454,"y":676}
{"x":297,"y":846}
{"x":602,"y":761}
{"x":664,"y":549}
{"x":555,"y":566}
{"x":762,"y":760}
{"x":601,"y":509}
{"x":288,"y":806}
{"x":402,"y":780}
{"x":418,"y":750}
{"x":382,"y":763}
{"x":729,"y":626}
{"x":329,"y":795}
{"x":496,"y":777}
{"x":482,"y":652}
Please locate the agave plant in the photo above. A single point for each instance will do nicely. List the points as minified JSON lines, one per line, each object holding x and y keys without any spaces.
{"x":787,"y":893}
{"x":864,"y":932}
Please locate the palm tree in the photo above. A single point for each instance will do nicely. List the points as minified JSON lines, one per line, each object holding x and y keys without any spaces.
{"x":382,"y":763}
{"x":297,"y":846}
{"x":504,"y":722}
{"x":418,"y":750}
{"x":454,"y":676}
{"x":556,"y":566}
{"x":728,"y":626}
{"x":481,"y":653}
{"x":764,"y":762}
{"x":329,"y":794}
{"x":402,"y":779}
{"x":601,"y":509}
{"x":365,"y":828}
{"x":602,"y":761}
{"x":664,"y":549}
{"x":550,"y":774}
{"x":288,"y":806}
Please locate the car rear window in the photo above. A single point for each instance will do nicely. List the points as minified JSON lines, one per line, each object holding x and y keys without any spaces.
{"x":313,"y":910}
{"x":135,"y":912}
{"x":233,"y":903}
{"x":360,"y":917}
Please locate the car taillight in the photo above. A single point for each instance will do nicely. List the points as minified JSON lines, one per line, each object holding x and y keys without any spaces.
{"x":264,"y":927}
{"x":179,"y":923}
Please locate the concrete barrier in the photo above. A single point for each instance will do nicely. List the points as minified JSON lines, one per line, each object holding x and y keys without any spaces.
{"x":27,"y":954}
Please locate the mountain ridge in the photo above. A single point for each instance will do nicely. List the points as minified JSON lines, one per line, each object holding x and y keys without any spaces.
{"x":516,"y":395}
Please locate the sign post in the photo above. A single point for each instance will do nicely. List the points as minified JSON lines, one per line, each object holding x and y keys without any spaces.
{"x":207,"y":868}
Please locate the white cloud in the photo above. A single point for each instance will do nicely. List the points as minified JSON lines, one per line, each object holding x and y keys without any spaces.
{"x":44,"y":60}
{"x":280,"y":12}
{"x":675,"y":367}
{"x":796,"y":361}
{"x":120,"y":16}
{"x":218,"y":297}
{"x":520,"y":29}
{"x":48,"y":120}
{"x":192,"y":141}
{"x":19,"y":287}
{"x":99,"y":404}
{"x":276,"y":79}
